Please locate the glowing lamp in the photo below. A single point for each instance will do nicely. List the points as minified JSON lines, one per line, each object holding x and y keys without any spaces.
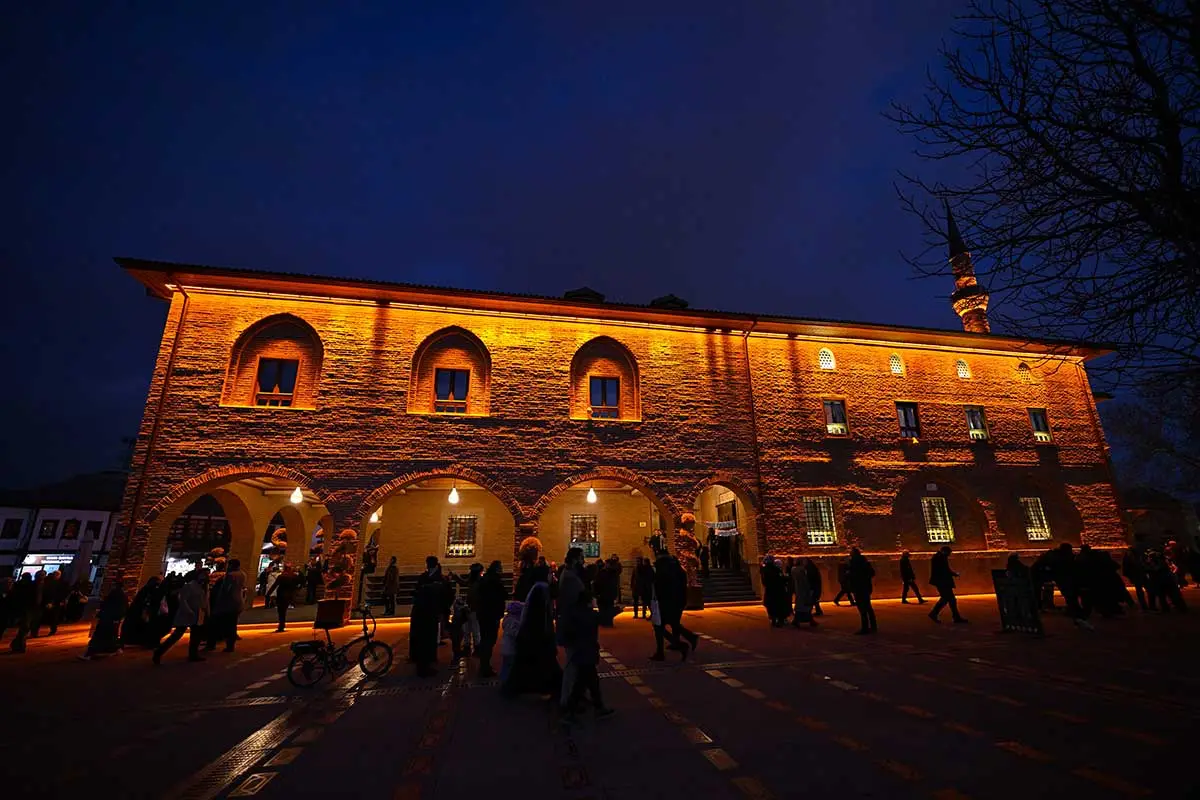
{"x":591,"y":495}
{"x":297,"y":496}
{"x":453,"y":498}
{"x":374,"y":517}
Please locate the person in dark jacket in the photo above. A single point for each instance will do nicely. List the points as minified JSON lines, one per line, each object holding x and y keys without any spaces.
{"x":861,"y":576}
{"x":313,"y":580}
{"x":106,"y":639}
{"x":391,"y":586}
{"x":1135,"y":572}
{"x":941,"y":577}
{"x":491,"y":596}
{"x":22,"y":605}
{"x":670,"y":589}
{"x":774,"y":592}
{"x":285,"y":594}
{"x":645,"y":579}
{"x":427,"y":602}
{"x":581,"y":634}
{"x":814,"y":585}
{"x":909,"y":576}
{"x":843,"y":576}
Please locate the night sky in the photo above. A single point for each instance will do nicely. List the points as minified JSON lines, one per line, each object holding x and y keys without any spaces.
{"x":737,"y":160}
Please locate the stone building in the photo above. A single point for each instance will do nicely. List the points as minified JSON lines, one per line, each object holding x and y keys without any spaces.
{"x":580,"y":420}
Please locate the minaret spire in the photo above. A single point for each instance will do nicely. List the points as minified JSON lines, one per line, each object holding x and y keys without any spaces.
{"x":970,"y":300}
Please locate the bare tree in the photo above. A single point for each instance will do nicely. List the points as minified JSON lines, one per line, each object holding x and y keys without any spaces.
{"x":1067,"y":136}
{"x":1157,"y":433}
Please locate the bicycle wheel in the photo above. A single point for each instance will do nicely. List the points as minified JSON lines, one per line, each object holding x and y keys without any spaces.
{"x":375,"y":659}
{"x":305,"y":669}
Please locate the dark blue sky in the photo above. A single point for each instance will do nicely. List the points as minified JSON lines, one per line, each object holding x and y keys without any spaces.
{"x":738,"y":160}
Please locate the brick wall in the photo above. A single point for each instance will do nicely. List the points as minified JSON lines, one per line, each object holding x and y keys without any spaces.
{"x":695,"y":425}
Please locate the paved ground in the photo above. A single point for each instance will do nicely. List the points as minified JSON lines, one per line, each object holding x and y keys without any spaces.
{"x":920,"y":710}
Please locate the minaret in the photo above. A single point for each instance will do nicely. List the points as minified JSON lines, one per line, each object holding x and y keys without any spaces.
{"x":970,"y":300}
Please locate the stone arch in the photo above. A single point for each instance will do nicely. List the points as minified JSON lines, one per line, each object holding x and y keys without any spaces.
{"x":967,"y":515}
{"x":1065,"y":521}
{"x":283,"y":336}
{"x":227,"y":474}
{"x":373,"y":500}
{"x":754,"y":526}
{"x":735,"y":484}
{"x":605,"y":357}
{"x":452,"y":348}
{"x":667,"y":507}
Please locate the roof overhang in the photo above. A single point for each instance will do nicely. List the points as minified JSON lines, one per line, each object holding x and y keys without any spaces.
{"x":163,"y":279}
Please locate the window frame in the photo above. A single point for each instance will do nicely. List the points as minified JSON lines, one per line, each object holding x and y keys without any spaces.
{"x":590,"y":546}
{"x":463,"y":546}
{"x":960,"y":367}
{"x":826,"y":404}
{"x":1034,"y":526}
{"x":821,"y":360}
{"x":604,"y":411}
{"x":894,"y":360}
{"x":41,"y":534}
{"x":939,"y":535}
{"x":272,"y":399}
{"x":7,"y":525}
{"x":984,"y":431}
{"x":823,"y":537}
{"x":93,"y":528}
{"x":1040,"y":436}
{"x":451,"y":404}
{"x":909,"y":432}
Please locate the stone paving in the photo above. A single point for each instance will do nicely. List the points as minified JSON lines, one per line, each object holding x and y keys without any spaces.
{"x":920,"y":710}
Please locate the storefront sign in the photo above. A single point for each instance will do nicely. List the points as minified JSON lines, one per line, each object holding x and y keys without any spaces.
{"x":1018,"y":606}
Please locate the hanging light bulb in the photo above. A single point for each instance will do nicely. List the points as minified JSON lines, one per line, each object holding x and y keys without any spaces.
{"x":297,"y":496}
{"x":374,"y":517}
{"x":453,"y":498}
{"x":591,"y":495}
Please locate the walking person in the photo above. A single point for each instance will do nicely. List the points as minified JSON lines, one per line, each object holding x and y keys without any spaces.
{"x":941,"y":577}
{"x":189,"y":617}
{"x":106,"y":638}
{"x":22,"y":606}
{"x":285,"y":594}
{"x":425,"y":617}
{"x":645,"y":580}
{"x":1135,"y":573}
{"x":581,"y":632}
{"x":391,"y":586}
{"x":670,"y":589}
{"x":909,"y":576}
{"x":228,"y":599}
{"x":843,"y":576}
{"x":491,"y":596}
{"x":634,"y":592}
{"x":54,"y":592}
{"x":313,"y":581}
{"x":860,"y":576}
{"x":814,"y":586}
{"x":803,"y":611}
{"x":570,"y":586}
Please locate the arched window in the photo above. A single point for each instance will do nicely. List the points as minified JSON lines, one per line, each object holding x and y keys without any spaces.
{"x":604,"y":382}
{"x":825,"y":359}
{"x":275,"y":363}
{"x":895,"y":364}
{"x":1024,"y":374}
{"x":962,"y":369}
{"x":451,"y":374}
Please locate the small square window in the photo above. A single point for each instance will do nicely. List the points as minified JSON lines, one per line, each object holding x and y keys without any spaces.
{"x":276,"y":381}
{"x":1040,"y":425}
{"x":976,"y":424}
{"x":910,"y":422}
{"x":937,"y":520}
{"x":460,"y":536}
{"x":835,"y":418}
{"x":818,"y":519}
{"x":450,"y":390}
{"x":1037,"y":527}
{"x":12,"y":528}
{"x":605,"y":395}
{"x":48,"y":529}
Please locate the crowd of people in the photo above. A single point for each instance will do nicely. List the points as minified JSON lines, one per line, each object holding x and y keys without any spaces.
{"x":40,"y":599}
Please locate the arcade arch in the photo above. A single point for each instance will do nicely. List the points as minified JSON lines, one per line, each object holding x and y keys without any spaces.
{"x":727,"y":521}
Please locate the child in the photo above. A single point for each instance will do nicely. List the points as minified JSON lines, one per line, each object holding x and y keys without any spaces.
{"x":508,"y":639}
{"x":583,"y":635}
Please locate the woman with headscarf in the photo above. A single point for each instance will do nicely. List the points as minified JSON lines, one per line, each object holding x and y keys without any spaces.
{"x":105,"y":639}
{"x":136,"y":629}
{"x":535,"y":667}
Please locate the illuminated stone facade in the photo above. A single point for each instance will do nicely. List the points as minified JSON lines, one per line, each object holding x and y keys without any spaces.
{"x":703,"y":399}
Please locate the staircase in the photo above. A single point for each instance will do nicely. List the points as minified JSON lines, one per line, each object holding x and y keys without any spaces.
{"x":728,"y":586}
{"x":408,"y":585}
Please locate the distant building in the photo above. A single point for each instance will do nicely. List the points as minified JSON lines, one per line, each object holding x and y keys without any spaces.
{"x":1156,"y":516}
{"x":50,"y":526}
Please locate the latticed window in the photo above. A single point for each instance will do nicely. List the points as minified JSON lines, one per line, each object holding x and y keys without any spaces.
{"x":818,"y":519}
{"x":1041,"y":425}
{"x":825,"y":359}
{"x":605,"y":397}
{"x":1024,"y":374}
{"x":910,"y":423}
{"x":450,"y":390}
{"x":895,"y":364}
{"x":1037,"y":527}
{"x":584,"y":534}
{"x":460,"y":536}
{"x":976,"y":424}
{"x":835,"y":418}
{"x":276,"y":381}
{"x":937,"y":520}
{"x":962,"y":369}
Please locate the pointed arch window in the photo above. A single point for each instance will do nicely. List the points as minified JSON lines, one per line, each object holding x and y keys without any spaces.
{"x":451,"y":374}
{"x":604,"y":382}
{"x":961,"y":368}
{"x":895,"y":364}
{"x":825,"y":358}
{"x":275,"y":363}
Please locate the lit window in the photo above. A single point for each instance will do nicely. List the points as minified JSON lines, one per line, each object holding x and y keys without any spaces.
{"x":910,"y":423}
{"x":48,"y":529}
{"x":895,"y":364}
{"x":12,"y":528}
{"x":976,"y":424}
{"x":962,"y":369}
{"x":606,"y":397}
{"x":1024,"y":374}
{"x":825,"y":358}
{"x":450,"y":390}
{"x":584,"y":534}
{"x":1041,"y":426}
{"x":835,"y":418}
{"x":460,"y":536}
{"x":818,"y":519}
{"x":276,"y":381}
{"x":937,"y":520}
{"x":1037,"y":527}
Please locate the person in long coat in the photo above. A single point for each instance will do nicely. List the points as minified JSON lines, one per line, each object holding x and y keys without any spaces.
{"x":941,"y":577}
{"x":428,"y":601}
{"x":802,"y":590}
{"x":191,"y":613}
{"x":861,"y":576}
{"x":105,"y":638}
{"x":774,"y":594}
{"x":491,"y":600}
{"x":391,"y":585}
{"x":814,"y":586}
{"x":535,"y":666}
